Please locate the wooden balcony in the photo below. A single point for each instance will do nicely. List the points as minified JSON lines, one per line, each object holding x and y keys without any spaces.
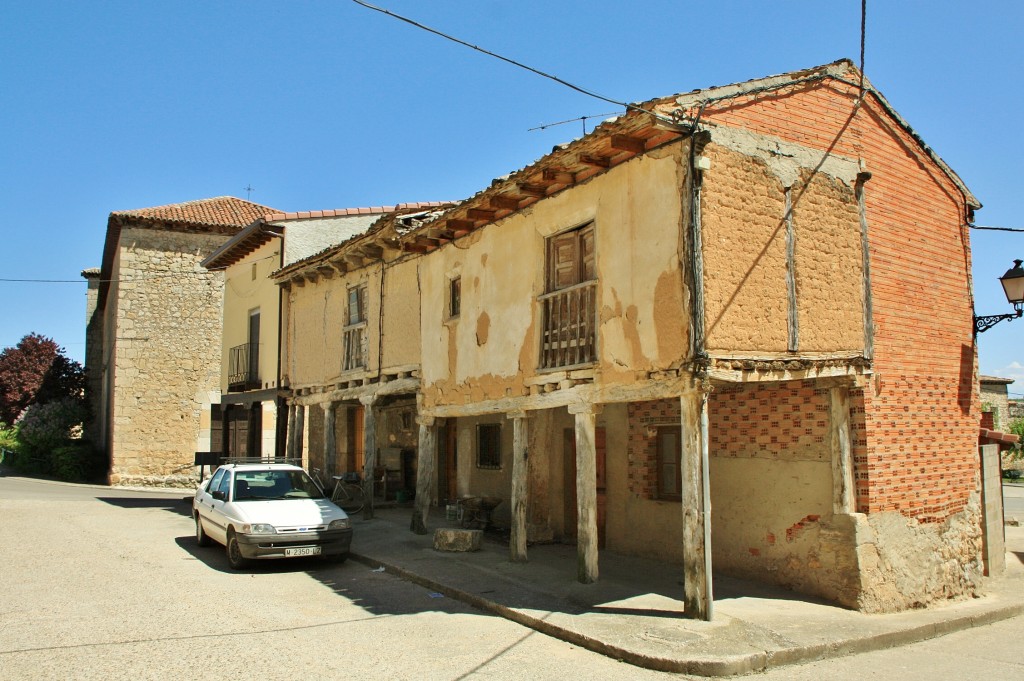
{"x":569,"y":334}
{"x":355,"y":347}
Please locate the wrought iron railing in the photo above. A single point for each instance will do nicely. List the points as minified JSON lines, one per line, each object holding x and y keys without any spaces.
{"x":244,"y":367}
{"x":569,"y":334}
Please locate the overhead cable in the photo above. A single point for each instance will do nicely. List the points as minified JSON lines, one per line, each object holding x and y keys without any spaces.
{"x":560,"y":81}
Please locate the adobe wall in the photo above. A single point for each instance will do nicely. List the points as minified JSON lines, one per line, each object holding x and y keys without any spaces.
{"x":317,"y":314}
{"x":166,"y":355}
{"x":916,"y":456}
{"x":493,"y":346}
{"x":752,"y":244}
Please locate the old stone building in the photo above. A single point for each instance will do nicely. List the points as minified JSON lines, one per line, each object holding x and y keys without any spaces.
{"x":154,"y":341}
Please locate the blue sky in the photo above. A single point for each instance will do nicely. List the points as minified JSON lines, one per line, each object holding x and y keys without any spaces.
{"x":111,"y":105}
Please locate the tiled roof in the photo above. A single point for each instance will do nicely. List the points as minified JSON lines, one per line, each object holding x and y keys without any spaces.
{"x":995,"y":379}
{"x":346,"y":212}
{"x":219,"y":211}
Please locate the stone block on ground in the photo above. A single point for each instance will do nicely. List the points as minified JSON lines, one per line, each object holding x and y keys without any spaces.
{"x":453,"y":539}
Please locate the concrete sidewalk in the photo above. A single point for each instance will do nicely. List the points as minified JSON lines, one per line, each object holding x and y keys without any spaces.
{"x":634,"y":611}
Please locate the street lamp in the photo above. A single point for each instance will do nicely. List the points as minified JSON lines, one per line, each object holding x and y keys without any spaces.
{"x":1013,"y":286}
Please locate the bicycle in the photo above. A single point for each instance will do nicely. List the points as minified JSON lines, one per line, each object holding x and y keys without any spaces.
{"x":346,"y":493}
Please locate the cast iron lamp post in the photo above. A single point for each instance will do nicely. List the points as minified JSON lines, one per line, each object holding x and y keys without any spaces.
{"x":1013,"y":285}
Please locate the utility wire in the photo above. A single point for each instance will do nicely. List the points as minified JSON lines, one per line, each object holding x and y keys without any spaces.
{"x":998,"y":229}
{"x":560,"y":81}
{"x":124,"y":280}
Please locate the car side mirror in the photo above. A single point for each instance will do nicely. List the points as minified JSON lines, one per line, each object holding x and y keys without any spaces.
{"x":219,"y":495}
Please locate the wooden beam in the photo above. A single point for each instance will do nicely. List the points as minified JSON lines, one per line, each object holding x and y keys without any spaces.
{"x":599,"y":161}
{"x":457,"y":224}
{"x":481,"y":214}
{"x":586,"y":492}
{"x":505,"y":202}
{"x":517,"y":539}
{"x":559,"y":176}
{"x":696,"y":506}
{"x":413,"y":247}
{"x":425,"y":454}
{"x":438,"y":233}
{"x":325,"y":271}
{"x":354,"y":259}
{"x":538,"y":190}
{"x":371,"y":250}
{"x":626,"y":143}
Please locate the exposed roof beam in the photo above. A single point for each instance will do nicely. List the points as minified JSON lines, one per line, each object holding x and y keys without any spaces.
{"x":599,"y":161}
{"x":481,"y":214}
{"x":457,"y":224}
{"x":530,"y":189}
{"x":627,"y":143}
{"x":559,"y":176}
{"x":505,"y":202}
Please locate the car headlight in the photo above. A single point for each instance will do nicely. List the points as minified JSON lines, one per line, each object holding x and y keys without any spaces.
{"x":258,"y":528}
{"x":340,"y":524}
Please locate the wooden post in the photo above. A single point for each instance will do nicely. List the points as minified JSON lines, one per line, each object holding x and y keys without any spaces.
{"x":517,"y":540}
{"x":300,"y":432}
{"x":330,"y":440}
{"x":697,"y":595}
{"x":842,"y":455}
{"x":586,"y":491}
{"x":290,"y":436}
{"x":425,"y":455}
{"x":369,"y":451}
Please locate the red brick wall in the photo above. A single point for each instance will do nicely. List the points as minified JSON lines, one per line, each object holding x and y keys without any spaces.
{"x":917,"y":453}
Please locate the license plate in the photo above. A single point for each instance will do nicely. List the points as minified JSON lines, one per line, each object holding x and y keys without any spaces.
{"x":303,"y":551}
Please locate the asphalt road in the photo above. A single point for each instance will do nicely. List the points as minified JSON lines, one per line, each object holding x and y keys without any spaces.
{"x":108,"y":584}
{"x":105,"y":584}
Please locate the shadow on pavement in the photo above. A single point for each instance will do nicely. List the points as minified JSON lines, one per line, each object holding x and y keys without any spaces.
{"x":181,"y":506}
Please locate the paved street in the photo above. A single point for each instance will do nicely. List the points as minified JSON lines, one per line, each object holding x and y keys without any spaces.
{"x":103,"y":584}
{"x":110,"y":584}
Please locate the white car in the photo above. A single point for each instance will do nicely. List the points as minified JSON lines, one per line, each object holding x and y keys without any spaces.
{"x":269,"y":510}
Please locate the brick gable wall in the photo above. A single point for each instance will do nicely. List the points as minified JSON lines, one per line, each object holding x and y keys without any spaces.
{"x":917,"y":451}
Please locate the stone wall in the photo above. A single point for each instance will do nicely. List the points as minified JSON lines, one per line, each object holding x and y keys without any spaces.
{"x":166,"y":354}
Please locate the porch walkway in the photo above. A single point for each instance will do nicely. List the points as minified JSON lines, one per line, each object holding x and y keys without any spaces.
{"x":634,"y":611}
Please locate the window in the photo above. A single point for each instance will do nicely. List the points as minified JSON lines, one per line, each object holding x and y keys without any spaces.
{"x":454,"y":297}
{"x":569,"y":307}
{"x":670,"y":481}
{"x":355,"y":329}
{"x":488,"y":445}
{"x":571,"y":258}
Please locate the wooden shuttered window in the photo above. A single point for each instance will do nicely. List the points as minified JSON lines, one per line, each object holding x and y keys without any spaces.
{"x":570,"y":303}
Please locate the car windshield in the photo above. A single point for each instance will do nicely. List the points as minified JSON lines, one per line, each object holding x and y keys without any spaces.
{"x":274,"y":484}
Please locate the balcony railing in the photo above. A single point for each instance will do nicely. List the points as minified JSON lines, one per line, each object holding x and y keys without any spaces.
{"x":569,"y":333}
{"x":355,"y":347}
{"x":244,"y":367}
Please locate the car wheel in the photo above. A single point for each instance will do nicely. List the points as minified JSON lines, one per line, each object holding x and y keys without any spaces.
{"x":235,"y":558}
{"x":202,"y":538}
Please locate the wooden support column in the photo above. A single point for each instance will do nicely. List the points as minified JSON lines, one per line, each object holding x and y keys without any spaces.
{"x":300,"y":432}
{"x":697,"y":594}
{"x":586,"y":491}
{"x":426,"y":454}
{"x":290,"y":435}
{"x":330,"y":440}
{"x":843,"y":494}
{"x":369,"y":451}
{"x":517,"y":540}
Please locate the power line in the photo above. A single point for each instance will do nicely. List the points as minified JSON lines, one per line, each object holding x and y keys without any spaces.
{"x":560,"y":81}
{"x":123,"y":280}
{"x":998,"y":229}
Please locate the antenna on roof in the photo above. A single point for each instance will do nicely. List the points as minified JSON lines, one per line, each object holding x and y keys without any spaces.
{"x":573,"y":120}
{"x":248,"y":190}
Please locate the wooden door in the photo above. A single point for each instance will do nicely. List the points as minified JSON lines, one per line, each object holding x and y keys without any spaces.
{"x":356,"y":443}
{"x":569,"y":459}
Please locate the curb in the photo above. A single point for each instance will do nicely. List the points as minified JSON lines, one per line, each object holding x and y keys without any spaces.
{"x":733,"y":665}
